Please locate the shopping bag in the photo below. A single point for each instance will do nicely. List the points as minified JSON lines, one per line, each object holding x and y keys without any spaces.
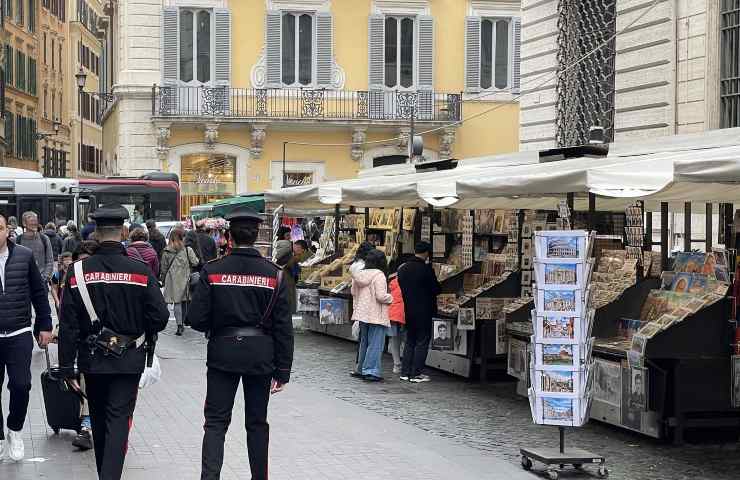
{"x":356,"y":330}
{"x":151,"y":374}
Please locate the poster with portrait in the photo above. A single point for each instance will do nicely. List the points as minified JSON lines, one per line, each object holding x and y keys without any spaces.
{"x":501,"y":337}
{"x":634,"y":400}
{"x":466,"y":319}
{"x":307,"y":300}
{"x":409,"y":219}
{"x":442,"y":338}
{"x":735,"y":381}
{"x":439,"y":245}
{"x":485,"y":220}
{"x":608,"y":382}
{"x":517,"y":359}
{"x":460,"y":342}
{"x":332,"y":311}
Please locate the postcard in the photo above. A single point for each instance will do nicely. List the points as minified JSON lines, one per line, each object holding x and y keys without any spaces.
{"x":557,"y":356}
{"x":557,"y":328}
{"x":553,"y":381}
{"x":466,"y":319}
{"x":649,"y":330}
{"x":607,"y":382}
{"x":559,"y":301}
{"x":557,"y":409}
{"x":639,"y":342}
{"x":562,"y":247}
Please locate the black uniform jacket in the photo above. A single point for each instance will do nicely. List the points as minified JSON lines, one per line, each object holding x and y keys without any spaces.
{"x":235,"y":291}
{"x":419,"y":288}
{"x":126,"y":298}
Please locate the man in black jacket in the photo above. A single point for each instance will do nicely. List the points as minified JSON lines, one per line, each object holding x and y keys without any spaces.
{"x":20,"y":281}
{"x":156,"y":239}
{"x":242,"y":302}
{"x":109,"y":336}
{"x":419,"y":288}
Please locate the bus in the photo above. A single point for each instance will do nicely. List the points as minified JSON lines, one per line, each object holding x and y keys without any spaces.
{"x":52,"y":199}
{"x":151,"y":196}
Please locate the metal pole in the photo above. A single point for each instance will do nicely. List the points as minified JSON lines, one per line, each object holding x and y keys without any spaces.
{"x":663,"y":235}
{"x":708,"y":228}
{"x":562,"y":439}
{"x":591,"y":211}
{"x":570,"y":201}
{"x":411,"y":135}
{"x":285,"y":174}
{"x":82,"y":126}
{"x":687,"y":226}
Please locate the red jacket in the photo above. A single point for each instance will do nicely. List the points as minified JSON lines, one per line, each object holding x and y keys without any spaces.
{"x":396,"y":311}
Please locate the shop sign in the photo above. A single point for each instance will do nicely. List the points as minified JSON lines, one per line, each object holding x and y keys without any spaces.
{"x":204,"y":179}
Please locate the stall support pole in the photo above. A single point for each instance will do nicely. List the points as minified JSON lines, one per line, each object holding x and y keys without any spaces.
{"x":570,"y":200}
{"x":336,"y":229}
{"x":708,"y":228}
{"x":687,"y":227}
{"x":663,"y":235}
{"x":728,"y":226}
{"x":591,"y":211}
{"x":648,"y":241}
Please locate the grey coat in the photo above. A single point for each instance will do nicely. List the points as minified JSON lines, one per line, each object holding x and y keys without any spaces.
{"x":175,"y":273}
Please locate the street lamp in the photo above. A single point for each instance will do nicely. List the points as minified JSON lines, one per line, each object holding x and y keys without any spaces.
{"x":45,"y":135}
{"x":81,"y":78}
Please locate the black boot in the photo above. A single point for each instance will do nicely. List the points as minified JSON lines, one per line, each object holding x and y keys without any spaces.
{"x":179,"y":331}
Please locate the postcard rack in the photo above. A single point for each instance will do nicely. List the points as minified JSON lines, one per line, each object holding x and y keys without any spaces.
{"x":689,"y":357}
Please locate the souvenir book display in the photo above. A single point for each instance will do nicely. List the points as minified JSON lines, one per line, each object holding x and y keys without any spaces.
{"x":634,"y":233}
{"x":560,"y":366}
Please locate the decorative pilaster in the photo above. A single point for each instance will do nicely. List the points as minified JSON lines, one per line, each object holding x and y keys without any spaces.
{"x":446,"y":141}
{"x":163,"y":134}
{"x":258,"y":140}
{"x":359,"y":135}
{"x":211,"y":135}
{"x":403,"y":139}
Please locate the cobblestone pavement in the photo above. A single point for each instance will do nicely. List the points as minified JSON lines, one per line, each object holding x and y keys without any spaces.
{"x":329,"y":426}
{"x":493,"y":419}
{"x":315,"y":436}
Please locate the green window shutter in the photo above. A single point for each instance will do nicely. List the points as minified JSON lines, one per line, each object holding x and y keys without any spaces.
{"x":426,"y":52}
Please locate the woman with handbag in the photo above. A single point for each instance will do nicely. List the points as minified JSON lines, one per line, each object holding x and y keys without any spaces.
{"x":177,"y":263}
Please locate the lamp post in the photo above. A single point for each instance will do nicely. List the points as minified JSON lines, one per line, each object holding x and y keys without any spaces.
{"x":81,"y":78}
{"x":44,"y":136}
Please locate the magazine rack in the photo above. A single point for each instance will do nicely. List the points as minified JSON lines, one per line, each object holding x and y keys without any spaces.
{"x":562,"y":457}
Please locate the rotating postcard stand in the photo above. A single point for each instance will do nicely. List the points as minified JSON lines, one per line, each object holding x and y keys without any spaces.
{"x":560,"y":366}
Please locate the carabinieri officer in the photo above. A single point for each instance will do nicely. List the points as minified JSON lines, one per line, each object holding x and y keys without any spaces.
{"x":112,"y":309}
{"x":242,"y":304}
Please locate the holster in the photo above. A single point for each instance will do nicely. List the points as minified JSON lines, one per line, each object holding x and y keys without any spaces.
{"x":112,"y":343}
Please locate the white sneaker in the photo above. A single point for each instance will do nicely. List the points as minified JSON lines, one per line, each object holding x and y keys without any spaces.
{"x":15,"y":448}
{"x":397,"y":369}
{"x":420,"y":379}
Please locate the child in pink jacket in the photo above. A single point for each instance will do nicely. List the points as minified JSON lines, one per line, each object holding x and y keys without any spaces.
{"x":370,"y":308}
{"x":397,"y":316}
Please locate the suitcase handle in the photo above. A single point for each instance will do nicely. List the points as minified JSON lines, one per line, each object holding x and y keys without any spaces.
{"x":48,"y":360}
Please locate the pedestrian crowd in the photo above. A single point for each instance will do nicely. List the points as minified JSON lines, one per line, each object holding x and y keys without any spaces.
{"x":131,"y":272}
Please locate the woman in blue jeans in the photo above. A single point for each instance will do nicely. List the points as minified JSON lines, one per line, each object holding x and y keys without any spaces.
{"x":370,"y":308}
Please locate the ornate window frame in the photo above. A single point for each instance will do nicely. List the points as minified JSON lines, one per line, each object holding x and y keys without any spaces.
{"x":401,"y":7}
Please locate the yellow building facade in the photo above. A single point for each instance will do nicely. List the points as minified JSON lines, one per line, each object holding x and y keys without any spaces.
{"x":218,"y":90}
{"x":21,"y":83}
{"x":53,"y":142}
{"x":84,"y":53}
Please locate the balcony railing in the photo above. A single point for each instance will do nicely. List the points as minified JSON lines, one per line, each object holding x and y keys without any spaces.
{"x":305,"y":104}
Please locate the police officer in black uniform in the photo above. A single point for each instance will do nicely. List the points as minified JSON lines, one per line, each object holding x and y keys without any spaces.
{"x":111,"y":351}
{"x":242,"y":304}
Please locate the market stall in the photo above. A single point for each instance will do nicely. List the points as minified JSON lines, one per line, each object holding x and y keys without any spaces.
{"x":651,"y":340}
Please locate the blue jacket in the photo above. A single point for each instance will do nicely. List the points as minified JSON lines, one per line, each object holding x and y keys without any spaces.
{"x":23,"y":286}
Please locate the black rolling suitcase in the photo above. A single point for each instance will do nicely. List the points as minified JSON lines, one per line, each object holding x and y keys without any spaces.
{"x":62,"y":403}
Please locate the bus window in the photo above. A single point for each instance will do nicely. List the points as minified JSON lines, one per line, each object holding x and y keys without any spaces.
{"x":31,"y":204}
{"x":61,"y":211}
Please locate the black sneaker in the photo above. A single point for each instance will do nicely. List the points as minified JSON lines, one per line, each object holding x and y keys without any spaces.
{"x":83,"y":440}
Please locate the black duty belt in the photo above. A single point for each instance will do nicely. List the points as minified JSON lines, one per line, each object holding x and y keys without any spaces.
{"x":236,"y":332}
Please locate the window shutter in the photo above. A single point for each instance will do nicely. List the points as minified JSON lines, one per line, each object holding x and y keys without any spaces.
{"x":426,"y":53}
{"x":170,"y":52}
{"x":376,"y":49}
{"x":223,"y":46}
{"x":472,"y":54}
{"x":516,"y":54}
{"x":273,"y":50}
{"x":324,"y":49}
